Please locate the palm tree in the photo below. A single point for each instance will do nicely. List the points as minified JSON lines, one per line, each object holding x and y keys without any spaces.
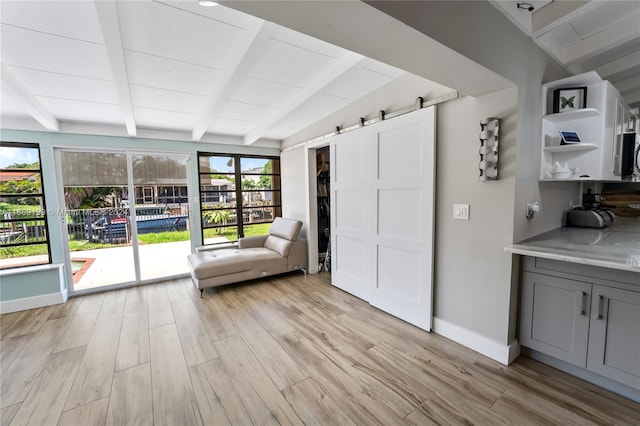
{"x":218,"y":217}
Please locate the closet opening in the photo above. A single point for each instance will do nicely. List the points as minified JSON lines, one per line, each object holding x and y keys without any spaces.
{"x":323,"y":170}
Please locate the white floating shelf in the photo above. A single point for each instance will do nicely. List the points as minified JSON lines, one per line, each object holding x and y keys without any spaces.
{"x":571,"y":147}
{"x":577,"y":114}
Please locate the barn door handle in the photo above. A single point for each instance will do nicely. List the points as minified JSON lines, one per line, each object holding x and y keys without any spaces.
{"x":600,"y":303}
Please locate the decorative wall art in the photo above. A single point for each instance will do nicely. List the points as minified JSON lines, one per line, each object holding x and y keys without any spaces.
{"x":569,"y":99}
{"x":489,"y":148}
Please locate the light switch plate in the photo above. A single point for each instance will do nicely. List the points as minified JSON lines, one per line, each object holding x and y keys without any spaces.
{"x":461,"y":211}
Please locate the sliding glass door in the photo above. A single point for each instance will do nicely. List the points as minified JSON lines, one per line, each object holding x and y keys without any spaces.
{"x":127,"y":216}
{"x":162,"y":215}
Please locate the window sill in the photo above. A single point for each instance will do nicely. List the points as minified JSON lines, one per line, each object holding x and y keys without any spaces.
{"x":28,"y":269}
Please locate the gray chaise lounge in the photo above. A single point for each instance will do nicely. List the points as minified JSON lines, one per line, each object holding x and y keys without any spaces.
{"x":258,"y":256}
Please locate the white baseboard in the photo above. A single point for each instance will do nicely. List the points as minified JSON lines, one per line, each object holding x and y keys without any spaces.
{"x":477,"y":342}
{"x":16,"y":305}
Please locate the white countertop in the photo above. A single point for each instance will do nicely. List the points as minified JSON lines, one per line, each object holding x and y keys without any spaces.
{"x":616,"y":247}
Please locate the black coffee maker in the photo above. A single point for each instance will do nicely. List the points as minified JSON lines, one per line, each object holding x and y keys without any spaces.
{"x":591,"y":200}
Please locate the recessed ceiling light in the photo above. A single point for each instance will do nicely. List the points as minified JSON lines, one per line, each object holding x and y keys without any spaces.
{"x":207,"y":3}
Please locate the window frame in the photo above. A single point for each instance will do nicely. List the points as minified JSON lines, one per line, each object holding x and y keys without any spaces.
{"x":239,"y":209}
{"x":43,"y":217}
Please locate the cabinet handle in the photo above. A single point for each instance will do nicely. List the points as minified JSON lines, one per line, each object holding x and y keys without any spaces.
{"x":583,"y":304}
{"x":600,"y":302}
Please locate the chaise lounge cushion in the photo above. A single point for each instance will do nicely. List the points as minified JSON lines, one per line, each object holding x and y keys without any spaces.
{"x":230,"y":261}
{"x":279,"y":245}
{"x":285,"y":228}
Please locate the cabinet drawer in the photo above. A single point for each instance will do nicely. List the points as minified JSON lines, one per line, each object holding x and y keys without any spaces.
{"x":555,"y":317}
{"x":577,"y":271}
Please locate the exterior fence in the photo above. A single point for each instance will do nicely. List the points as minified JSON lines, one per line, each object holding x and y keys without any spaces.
{"x":114,"y":225}
{"x":24,"y":231}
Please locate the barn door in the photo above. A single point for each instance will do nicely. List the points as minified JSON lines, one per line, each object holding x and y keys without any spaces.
{"x":383,"y":214}
{"x":402,"y":267}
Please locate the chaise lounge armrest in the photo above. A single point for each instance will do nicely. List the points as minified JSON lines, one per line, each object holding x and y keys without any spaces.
{"x":252,"y":242}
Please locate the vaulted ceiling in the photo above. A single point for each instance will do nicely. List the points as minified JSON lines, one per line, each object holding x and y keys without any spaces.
{"x":137,"y":67}
{"x":601,"y":36}
{"x":171,"y":65}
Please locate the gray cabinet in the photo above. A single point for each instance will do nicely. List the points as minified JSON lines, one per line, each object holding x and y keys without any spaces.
{"x":555,"y":317}
{"x":577,"y":316}
{"x":614,"y":335}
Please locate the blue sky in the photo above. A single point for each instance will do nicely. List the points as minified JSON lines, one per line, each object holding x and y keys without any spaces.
{"x":11,"y":155}
{"x":220,"y":164}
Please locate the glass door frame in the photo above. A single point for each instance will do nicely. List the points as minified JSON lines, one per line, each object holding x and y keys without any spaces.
{"x":134,"y":229}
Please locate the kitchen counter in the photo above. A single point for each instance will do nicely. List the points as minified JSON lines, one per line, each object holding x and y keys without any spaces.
{"x":615,"y":247}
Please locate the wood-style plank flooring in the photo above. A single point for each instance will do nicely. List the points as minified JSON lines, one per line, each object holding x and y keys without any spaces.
{"x":289,"y":350}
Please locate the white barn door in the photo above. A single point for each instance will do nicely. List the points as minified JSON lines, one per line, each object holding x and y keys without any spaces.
{"x":383,"y":185}
{"x":349,"y":215}
{"x":404,"y":185}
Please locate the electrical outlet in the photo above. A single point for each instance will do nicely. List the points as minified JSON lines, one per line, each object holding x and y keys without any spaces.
{"x":461,"y":211}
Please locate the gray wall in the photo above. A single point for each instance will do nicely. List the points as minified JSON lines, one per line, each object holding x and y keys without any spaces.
{"x":472,"y":270}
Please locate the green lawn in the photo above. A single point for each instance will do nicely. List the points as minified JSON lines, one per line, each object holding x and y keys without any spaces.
{"x":163,"y":237}
{"x":11,"y":252}
{"x":232,"y":235}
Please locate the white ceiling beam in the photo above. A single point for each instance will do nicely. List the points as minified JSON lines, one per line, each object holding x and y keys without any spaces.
{"x":22,"y":96}
{"x":632,"y":97}
{"x":628,"y":83}
{"x":348,"y":61}
{"x":557,"y":13}
{"x":622,"y":32}
{"x":253,"y":42}
{"x":108,"y":17}
{"x":619,"y":65}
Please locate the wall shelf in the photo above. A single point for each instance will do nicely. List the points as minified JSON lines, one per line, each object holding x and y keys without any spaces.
{"x":573,"y":179}
{"x":571,"y":147}
{"x":579,"y":114}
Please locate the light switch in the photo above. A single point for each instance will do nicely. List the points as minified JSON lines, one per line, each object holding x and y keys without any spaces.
{"x":461,"y":211}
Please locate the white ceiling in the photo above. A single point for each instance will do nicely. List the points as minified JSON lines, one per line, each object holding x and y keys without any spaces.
{"x":601,"y":36}
{"x":171,"y":65}
{"x":138,"y":67}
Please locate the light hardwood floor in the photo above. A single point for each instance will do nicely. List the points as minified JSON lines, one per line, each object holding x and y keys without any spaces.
{"x":290,"y":350}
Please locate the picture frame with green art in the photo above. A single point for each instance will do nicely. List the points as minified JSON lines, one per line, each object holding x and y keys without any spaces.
{"x":569,"y":99}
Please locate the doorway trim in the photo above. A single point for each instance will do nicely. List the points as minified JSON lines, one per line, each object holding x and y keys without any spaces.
{"x":312,"y":202}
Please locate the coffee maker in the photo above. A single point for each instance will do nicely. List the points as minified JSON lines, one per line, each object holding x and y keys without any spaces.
{"x":592,"y":213}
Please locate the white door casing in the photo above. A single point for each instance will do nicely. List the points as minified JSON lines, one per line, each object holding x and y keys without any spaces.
{"x":382,"y":210}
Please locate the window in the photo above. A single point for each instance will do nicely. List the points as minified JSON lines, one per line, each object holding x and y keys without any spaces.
{"x":230,"y":210}
{"x":23,"y":221}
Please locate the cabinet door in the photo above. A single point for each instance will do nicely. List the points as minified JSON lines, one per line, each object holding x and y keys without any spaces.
{"x":614,"y":336}
{"x":555,"y":317}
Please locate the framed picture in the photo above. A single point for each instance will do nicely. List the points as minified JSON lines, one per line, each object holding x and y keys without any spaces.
{"x":569,"y":99}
